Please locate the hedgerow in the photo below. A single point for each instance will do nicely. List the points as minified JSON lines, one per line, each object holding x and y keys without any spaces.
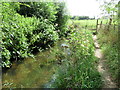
{"x":26,"y":27}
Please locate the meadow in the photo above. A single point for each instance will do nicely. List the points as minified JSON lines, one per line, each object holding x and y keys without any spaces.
{"x":90,"y":24}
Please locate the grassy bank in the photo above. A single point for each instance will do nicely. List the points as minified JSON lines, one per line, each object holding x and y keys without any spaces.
{"x":109,"y":45}
{"x":78,"y":69}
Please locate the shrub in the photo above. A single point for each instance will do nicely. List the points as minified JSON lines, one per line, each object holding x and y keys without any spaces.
{"x":22,"y":34}
{"x":54,"y":13}
{"x":61,"y":20}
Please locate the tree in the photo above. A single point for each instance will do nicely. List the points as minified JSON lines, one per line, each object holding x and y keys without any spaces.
{"x":110,"y":8}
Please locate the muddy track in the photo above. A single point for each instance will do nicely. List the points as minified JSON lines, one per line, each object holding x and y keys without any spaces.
{"x":106,"y":77}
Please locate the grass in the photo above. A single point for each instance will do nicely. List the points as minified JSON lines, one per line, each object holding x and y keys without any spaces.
{"x":89,"y":24}
{"x":109,"y":44}
{"x":78,"y":70}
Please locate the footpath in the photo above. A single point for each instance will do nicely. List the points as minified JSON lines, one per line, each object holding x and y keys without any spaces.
{"x":106,"y":78}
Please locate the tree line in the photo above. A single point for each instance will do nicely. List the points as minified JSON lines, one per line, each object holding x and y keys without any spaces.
{"x":81,"y":17}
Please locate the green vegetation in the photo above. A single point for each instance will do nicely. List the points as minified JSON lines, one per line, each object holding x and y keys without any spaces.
{"x":108,"y":39}
{"x":81,"y":17}
{"x":109,"y":44}
{"x":78,"y":70}
{"x":29,"y":27}
{"x":87,"y":24}
{"x":52,"y":13}
{"x":90,"y":24}
{"x":24,"y":34}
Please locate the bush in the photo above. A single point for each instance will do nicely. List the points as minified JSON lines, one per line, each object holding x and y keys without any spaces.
{"x":42,"y":10}
{"x":21,"y":35}
{"x":61,"y":23}
{"x":54,"y":13}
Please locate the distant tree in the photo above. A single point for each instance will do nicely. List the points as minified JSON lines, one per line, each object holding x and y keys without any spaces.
{"x":80,"y":17}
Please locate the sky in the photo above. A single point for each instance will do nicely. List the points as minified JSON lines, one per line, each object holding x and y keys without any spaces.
{"x":83,"y":7}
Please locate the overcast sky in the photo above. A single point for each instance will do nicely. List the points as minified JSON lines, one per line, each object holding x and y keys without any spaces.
{"x":84,"y":7}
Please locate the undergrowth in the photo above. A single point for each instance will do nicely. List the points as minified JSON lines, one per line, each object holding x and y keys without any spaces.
{"x":109,"y":44}
{"x":28,"y":27}
{"x":78,"y":69}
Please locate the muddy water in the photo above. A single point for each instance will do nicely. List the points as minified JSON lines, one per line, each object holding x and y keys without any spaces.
{"x":34,"y":73}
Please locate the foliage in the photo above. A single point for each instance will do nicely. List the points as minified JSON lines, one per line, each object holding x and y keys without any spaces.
{"x":15,"y":33}
{"x":109,"y":39}
{"x":42,"y":10}
{"x":109,"y":44}
{"x":78,"y":70}
{"x":25,"y":33}
{"x":110,"y":9}
{"x":80,"y":17}
{"x":61,"y":21}
{"x":54,"y":13}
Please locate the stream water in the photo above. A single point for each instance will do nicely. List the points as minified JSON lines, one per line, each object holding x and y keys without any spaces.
{"x":34,"y":73}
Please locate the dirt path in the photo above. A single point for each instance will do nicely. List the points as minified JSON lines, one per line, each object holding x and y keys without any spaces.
{"x":106,"y":78}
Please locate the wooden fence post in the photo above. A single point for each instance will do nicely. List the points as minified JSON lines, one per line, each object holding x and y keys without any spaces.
{"x":100,"y":24}
{"x":96,"y":26}
{"x":109,"y":24}
{"x":114,"y":26}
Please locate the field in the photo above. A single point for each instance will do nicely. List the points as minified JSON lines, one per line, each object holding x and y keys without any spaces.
{"x":90,"y":24}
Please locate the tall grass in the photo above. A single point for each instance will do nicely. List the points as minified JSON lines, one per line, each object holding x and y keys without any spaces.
{"x":78,"y":69}
{"x":109,"y":44}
